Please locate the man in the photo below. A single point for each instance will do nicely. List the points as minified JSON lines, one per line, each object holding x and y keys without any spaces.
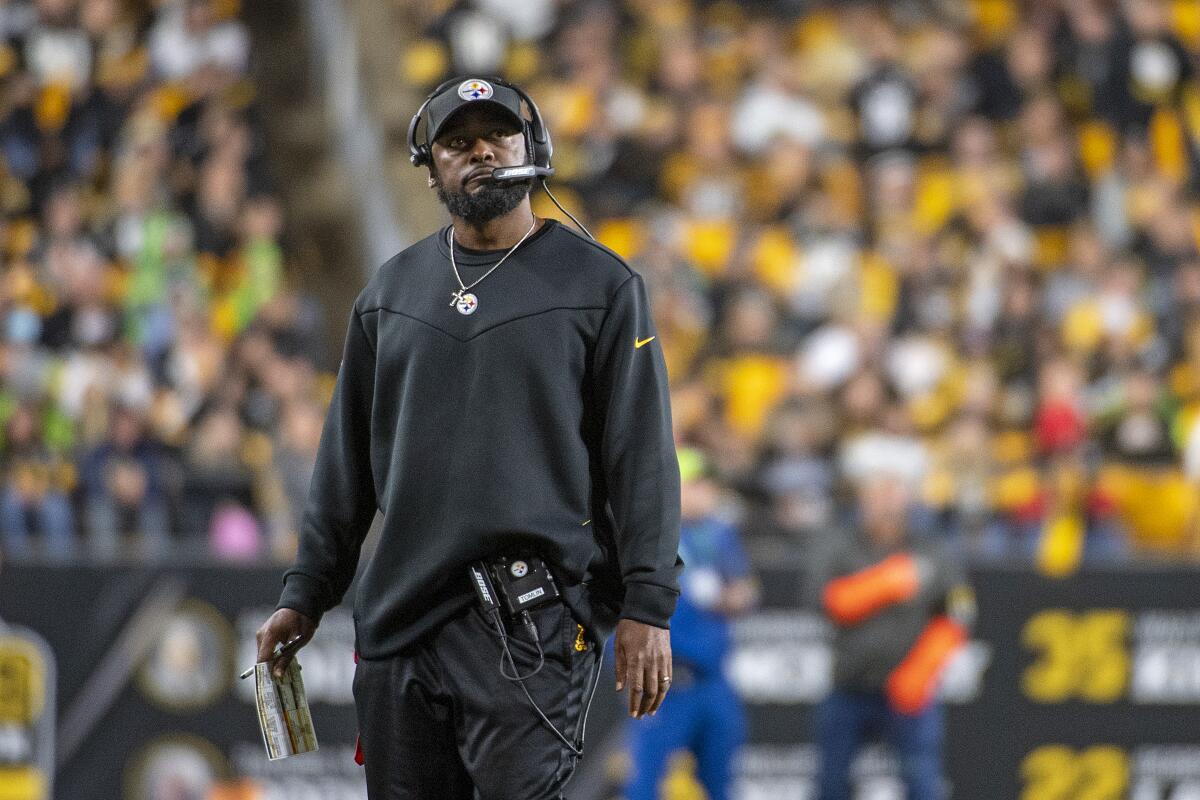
{"x":502,"y":390}
{"x":703,"y":713}
{"x":901,"y":609}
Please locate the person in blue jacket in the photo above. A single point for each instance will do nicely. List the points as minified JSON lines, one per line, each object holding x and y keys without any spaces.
{"x":702,"y":713}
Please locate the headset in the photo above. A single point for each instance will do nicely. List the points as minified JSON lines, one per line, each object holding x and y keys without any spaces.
{"x":538,"y":146}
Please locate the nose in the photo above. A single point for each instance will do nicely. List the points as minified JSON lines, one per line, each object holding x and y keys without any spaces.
{"x":482,"y":151}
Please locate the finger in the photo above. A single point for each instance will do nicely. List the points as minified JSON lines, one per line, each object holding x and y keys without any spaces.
{"x":266,"y":645}
{"x":658,"y":701}
{"x":281,"y":665}
{"x":650,"y":682}
{"x":620,"y":665}
{"x":637,"y":686}
{"x":635,"y":696}
{"x":663,"y":688}
{"x":666,"y":669}
{"x":661,"y":670}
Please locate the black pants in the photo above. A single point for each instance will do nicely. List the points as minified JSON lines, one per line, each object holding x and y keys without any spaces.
{"x":440,"y":722}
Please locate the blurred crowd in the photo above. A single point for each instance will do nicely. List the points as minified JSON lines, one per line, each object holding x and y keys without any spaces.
{"x":960,"y":237}
{"x":957,"y":236}
{"x":159,"y":390}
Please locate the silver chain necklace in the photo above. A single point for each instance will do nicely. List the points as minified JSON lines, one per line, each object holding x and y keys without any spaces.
{"x":466,"y":302}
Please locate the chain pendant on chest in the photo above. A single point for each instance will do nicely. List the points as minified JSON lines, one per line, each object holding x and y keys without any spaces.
{"x":462,"y":300}
{"x":465,"y":302}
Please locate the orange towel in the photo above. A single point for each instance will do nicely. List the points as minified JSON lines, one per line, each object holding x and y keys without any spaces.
{"x":912,"y":684}
{"x":853,"y":598}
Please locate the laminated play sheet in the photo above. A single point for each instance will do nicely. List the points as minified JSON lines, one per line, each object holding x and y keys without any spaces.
{"x":283,"y":714}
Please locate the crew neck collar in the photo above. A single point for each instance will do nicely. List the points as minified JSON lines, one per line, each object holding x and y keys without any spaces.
{"x":468,"y":255}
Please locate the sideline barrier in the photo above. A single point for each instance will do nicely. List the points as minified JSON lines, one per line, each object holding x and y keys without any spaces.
{"x":1085,"y":687}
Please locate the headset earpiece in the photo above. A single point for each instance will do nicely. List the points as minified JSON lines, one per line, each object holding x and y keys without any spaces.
{"x":419,"y":154}
{"x":543,"y":148}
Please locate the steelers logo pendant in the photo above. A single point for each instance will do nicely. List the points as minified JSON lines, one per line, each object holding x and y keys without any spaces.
{"x":465,"y":303}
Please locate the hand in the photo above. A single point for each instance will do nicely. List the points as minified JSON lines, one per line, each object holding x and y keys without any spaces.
{"x":644,"y":659}
{"x":283,"y":626}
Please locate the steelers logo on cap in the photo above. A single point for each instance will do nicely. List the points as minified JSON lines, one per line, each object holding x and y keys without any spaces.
{"x":519,"y":569}
{"x":474,"y":89}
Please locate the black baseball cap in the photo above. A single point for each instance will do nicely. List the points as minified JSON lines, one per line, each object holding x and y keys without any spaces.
{"x":465,"y":92}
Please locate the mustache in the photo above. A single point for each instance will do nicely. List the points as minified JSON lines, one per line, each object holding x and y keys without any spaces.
{"x":475,"y":173}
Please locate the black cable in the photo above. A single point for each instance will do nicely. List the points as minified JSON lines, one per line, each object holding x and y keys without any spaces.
{"x":505,"y":652}
{"x":497,"y":620}
{"x":582,"y":731}
{"x":576,"y":749}
{"x":568,"y":213}
{"x":592,"y":694}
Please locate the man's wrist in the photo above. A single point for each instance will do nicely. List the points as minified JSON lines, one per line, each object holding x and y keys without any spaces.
{"x":650,"y":604}
{"x":302,"y":593}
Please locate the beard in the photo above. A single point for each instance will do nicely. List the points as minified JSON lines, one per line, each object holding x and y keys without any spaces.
{"x":491,"y":200}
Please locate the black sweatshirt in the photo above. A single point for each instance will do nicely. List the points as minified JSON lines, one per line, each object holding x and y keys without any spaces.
{"x":542,"y":419}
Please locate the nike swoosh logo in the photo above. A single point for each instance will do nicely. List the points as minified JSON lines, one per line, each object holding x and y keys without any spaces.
{"x":639,"y":342}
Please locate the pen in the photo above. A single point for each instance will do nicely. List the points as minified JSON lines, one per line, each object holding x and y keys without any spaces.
{"x":283,"y":650}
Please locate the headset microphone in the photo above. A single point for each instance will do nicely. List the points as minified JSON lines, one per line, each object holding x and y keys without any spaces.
{"x":521,"y":172}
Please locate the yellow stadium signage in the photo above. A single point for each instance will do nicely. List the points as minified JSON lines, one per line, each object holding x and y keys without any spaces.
{"x":26,"y":715}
